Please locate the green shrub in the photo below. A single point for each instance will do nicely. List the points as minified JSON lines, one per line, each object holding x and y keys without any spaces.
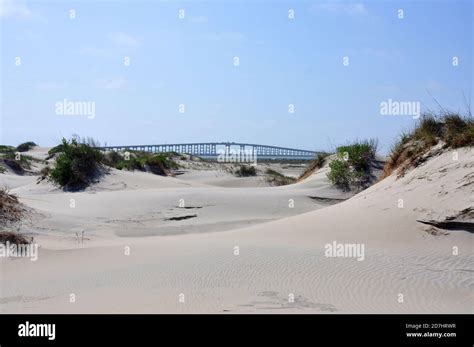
{"x":55,"y":150}
{"x":26,"y":146}
{"x":158,"y":164}
{"x":246,"y":171}
{"x":76,"y":166}
{"x":359,"y":154}
{"x":340,"y":173}
{"x":353,"y":165}
{"x":166,"y":159}
{"x":131,"y":164}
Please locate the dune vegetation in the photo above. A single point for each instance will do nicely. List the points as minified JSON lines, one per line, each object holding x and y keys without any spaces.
{"x":352,"y":167}
{"x":78,"y":163}
{"x":13,"y":238}
{"x":26,"y":146}
{"x":276,"y":178}
{"x":11,"y":214}
{"x":316,"y":164}
{"x":245,"y":171}
{"x":450,"y":130}
{"x":159,"y":164}
{"x":10,"y":208}
{"x":12,"y":158}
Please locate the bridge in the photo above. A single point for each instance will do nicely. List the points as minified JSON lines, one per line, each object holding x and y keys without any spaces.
{"x":218,"y":150}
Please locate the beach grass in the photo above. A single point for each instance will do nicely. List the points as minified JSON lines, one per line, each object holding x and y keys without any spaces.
{"x":451,"y":130}
{"x":316,"y":164}
{"x":10,"y":208}
{"x":276,"y":178}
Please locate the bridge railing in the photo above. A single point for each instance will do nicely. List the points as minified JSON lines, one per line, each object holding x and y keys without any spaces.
{"x":212,"y":150}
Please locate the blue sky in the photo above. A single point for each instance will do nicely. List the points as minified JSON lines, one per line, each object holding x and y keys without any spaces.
{"x":190,"y":61}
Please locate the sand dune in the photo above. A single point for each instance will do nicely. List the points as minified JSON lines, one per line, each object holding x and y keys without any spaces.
{"x":281,"y":255}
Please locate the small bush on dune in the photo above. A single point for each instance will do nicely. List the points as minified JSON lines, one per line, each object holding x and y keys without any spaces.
{"x":26,"y":146}
{"x":166,"y":159}
{"x":246,"y":171}
{"x":359,"y":154}
{"x":130,"y":165}
{"x":353,"y":165}
{"x":76,"y":166}
{"x":132,"y":161}
{"x":340,"y":173}
{"x":158,"y":164}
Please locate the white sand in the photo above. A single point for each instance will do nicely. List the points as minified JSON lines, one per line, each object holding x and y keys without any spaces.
{"x":281,"y":252}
